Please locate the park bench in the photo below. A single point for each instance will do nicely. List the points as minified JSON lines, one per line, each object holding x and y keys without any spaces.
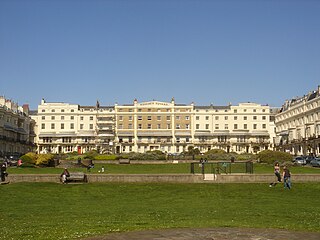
{"x":77,"y":177}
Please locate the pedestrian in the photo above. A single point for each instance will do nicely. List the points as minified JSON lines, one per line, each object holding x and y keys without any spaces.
{"x":19,"y":162}
{"x":102,"y":169}
{"x":276,"y":170}
{"x":286,"y":177}
{"x":64,"y":175}
{"x":4,"y":173}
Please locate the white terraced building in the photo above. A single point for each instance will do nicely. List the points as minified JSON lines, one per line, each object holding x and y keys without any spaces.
{"x":154,"y":125}
{"x":298,"y":125}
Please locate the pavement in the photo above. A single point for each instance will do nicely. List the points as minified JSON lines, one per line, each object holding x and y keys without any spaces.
{"x":211,"y":234}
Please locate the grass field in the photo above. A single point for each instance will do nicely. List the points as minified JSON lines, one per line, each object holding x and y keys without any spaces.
{"x":74,"y":211}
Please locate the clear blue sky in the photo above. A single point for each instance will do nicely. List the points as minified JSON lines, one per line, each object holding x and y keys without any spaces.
{"x":200,"y":51}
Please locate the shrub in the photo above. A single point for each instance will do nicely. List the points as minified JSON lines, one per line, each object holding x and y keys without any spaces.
{"x":90,"y":155}
{"x":31,"y":158}
{"x":106,"y":157}
{"x":43,"y":159}
{"x":27,"y":159}
{"x":270,"y":157}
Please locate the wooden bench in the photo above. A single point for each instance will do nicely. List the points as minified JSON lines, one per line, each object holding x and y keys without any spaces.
{"x":77,"y":177}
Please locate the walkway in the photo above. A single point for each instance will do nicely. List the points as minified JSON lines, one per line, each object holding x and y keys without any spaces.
{"x":211,"y":234}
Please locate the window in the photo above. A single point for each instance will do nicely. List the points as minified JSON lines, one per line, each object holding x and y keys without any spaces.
{"x":62,"y":117}
{"x":149,"y":126}
{"x":130,"y":118}
{"x":168,"y":126}
{"x":72,"y":110}
{"x":254,"y":117}
{"x":120,"y":118}
{"x":264,"y":118}
{"x":235,"y":111}
{"x":43,"y":126}
{"x":43,"y":117}
{"x":62,"y":125}
{"x":254,"y":126}
{"x":245,"y":126}
{"x":197,"y":126}
{"x":81,"y":126}
{"x":197,"y":117}
{"x":187,"y":117}
{"x":71,"y":125}
{"x":120,"y":126}
{"x":52,"y":126}
{"x":225,"y":117}
{"x":149,"y":118}
{"x":235,"y":118}
{"x":159,"y":118}
{"x":235,"y":126}
{"x":130,"y":126}
{"x":52,"y":117}
{"x":159,"y":126}
{"x":245,"y":118}
{"x":168,"y":118}
{"x":216,"y":126}
{"x":187,"y":126}
{"x":178,"y":126}
{"x":264,"y":126}
{"x":72,"y":117}
{"x":254,"y":110}
{"x":207,"y":126}
{"x":226,"y":126}
{"x":216,"y":117}
{"x":207,"y":117}
{"x":177,"y":117}
{"x":62,"y":110}
{"x":81,"y":118}
{"x":139,"y":117}
{"x":139,"y":126}
{"x":43,"y":110}
{"x":52,"y":110}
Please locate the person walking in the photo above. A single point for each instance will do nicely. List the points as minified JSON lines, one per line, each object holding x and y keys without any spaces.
{"x":286,"y":177}
{"x":276,"y":170}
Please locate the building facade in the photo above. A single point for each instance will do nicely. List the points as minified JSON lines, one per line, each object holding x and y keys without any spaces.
{"x":148,"y":126}
{"x":298,"y":125}
{"x":64,"y":127}
{"x":16,"y":128}
{"x":246,"y":128}
{"x":154,"y":125}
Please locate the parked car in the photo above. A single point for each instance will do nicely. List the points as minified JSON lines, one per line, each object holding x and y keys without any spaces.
{"x":315,"y":162}
{"x":300,"y":160}
{"x":309,"y":159}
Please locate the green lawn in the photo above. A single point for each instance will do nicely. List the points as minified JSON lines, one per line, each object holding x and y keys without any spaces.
{"x":73,"y":211}
{"x":182,"y":168}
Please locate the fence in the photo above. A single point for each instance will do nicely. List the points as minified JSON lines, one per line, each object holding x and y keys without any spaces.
{"x":221,"y":167}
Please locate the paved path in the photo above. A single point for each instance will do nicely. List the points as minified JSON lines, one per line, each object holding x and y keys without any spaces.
{"x":212,"y":234}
